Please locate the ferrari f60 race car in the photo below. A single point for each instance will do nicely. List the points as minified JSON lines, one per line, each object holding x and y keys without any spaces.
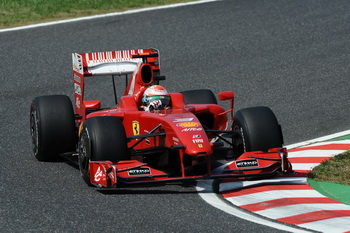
{"x":127,"y":144}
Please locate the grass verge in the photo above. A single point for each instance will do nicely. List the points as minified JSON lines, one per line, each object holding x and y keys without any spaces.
{"x":23,"y":12}
{"x":335,"y":170}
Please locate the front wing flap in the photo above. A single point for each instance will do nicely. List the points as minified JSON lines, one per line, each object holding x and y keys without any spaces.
{"x":105,"y":174}
{"x":256,"y":162}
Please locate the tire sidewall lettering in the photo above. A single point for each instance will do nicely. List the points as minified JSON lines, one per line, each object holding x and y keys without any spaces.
{"x":243,"y":139}
{"x":35,"y":125}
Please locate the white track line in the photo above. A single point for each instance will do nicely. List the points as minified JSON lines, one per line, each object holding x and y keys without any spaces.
{"x":325,"y":138}
{"x":107,"y":15}
{"x":327,"y":225}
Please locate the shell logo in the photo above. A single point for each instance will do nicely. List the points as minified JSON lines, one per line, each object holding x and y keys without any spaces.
{"x":188,"y":124}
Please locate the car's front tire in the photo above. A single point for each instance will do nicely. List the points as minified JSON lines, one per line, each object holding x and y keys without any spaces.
{"x":256,"y":129}
{"x":101,"y":139}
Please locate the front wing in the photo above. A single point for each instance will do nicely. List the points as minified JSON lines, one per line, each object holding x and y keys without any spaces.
{"x":105,"y":174}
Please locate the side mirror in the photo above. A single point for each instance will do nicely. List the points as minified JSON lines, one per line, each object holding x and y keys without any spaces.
{"x":226,"y":95}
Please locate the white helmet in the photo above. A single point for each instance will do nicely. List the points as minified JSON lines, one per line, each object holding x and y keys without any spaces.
{"x":155,"y":98}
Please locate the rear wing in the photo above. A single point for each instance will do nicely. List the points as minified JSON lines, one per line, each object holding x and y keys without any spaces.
{"x":114,"y":63}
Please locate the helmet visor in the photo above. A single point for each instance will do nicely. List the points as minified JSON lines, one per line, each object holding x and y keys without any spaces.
{"x":163,"y":98}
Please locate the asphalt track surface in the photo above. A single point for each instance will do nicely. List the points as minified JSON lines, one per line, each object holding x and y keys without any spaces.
{"x":290,"y":55}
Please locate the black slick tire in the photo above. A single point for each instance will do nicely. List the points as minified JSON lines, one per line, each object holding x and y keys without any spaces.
{"x":52,"y":125}
{"x":256,"y":129}
{"x":101,"y":139}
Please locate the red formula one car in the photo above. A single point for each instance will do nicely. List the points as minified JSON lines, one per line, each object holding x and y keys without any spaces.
{"x":152,"y":135}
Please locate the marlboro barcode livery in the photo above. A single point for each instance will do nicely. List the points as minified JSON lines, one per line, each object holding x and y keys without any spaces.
{"x":150,"y":134}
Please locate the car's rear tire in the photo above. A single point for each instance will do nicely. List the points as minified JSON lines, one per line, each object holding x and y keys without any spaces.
{"x":101,"y":139}
{"x":201,"y":96}
{"x":52,"y":125}
{"x":256,"y":129}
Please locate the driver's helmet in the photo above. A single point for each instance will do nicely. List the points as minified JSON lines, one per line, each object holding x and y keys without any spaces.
{"x":155,"y":98}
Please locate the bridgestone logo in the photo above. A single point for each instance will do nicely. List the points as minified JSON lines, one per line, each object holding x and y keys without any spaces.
{"x":139,"y":171}
{"x":247,"y":163}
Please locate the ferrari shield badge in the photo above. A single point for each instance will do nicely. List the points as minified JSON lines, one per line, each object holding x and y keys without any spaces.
{"x":136,"y":127}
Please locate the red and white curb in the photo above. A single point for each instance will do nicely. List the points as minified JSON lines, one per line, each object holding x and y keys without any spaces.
{"x":305,"y":158}
{"x":290,"y":199}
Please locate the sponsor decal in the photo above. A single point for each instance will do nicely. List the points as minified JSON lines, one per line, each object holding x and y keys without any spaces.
{"x":200,"y":145}
{"x":197,"y":140}
{"x":187,"y":124}
{"x":136,"y":127}
{"x":77,"y":78}
{"x":98,"y":174}
{"x":110,"y":174}
{"x":139,"y":171}
{"x":175,"y":141}
{"x":77,"y":63}
{"x":242,"y":133}
{"x":183,"y":119}
{"x":247,"y":163}
{"x":196,"y":136}
{"x":147,"y":140}
{"x":77,"y":102}
{"x":77,"y":89}
{"x":191,"y":129}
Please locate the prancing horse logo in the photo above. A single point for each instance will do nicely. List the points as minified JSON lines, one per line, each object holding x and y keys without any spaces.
{"x":136,"y":127}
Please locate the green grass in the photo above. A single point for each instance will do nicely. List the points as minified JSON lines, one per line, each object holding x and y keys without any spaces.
{"x":335,"y":170}
{"x":23,"y":12}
